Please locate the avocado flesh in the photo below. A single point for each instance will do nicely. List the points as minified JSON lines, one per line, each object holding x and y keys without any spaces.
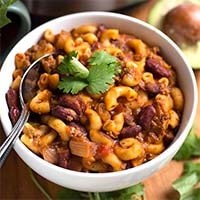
{"x":155,"y":18}
{"x":192,"y":54}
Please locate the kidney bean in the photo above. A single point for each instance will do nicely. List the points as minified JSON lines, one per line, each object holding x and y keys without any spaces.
{"x":130,"y":131}
{"x":13,"y":104}
{"x":152,"y":89}
{"x":156,"y":68}
{"x":100,"y":29}
{"x":145,"y":116}
{"x":65,"y":113}
{"x":12,"y":98}
{"x":74,"y":102}
{"x":14,"y":114}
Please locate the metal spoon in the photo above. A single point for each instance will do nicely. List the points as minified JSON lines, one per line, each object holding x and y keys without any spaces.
{"x":27,"y":91}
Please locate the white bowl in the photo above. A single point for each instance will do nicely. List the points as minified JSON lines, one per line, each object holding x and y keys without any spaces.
{"x":98,"y":182}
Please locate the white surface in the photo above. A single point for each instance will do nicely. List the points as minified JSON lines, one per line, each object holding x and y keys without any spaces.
{"x":114,"y":180}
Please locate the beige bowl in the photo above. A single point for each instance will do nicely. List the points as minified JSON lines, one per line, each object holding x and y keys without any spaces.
{"x":98,"y":182}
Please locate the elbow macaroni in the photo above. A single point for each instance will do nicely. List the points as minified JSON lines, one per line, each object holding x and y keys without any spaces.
{"x":41,"y":102}
{"x":94,"y":119}
{"x":115,"y":125}
{"x":138,"y":46}
{"x":114,"y":93}
{"x":128,"y":149}
{"x":58,"y":125}
{"x":111,"y":124}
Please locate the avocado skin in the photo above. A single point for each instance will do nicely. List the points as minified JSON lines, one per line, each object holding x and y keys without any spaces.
{"x":155,"y":18}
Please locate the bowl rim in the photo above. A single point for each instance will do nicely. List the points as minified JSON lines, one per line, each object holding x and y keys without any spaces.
{"x":19,"y":146}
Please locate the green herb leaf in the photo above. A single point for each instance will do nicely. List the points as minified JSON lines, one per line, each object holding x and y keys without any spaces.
{"x":101,"y":58}
{"x":186,"y":184}
{"x":67,"y":194}
{"x":103,"y":68}
{"x":192,"y":195}
{"x":190,"y":148}
{"x":4,"y":4}
{"x":71,"y":65}
{"x":190,"y":167}
{"x":99,"y":79}
{"x":72,"y":85}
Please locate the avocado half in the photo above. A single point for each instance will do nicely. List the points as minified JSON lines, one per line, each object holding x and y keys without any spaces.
{"x":155,"y":18}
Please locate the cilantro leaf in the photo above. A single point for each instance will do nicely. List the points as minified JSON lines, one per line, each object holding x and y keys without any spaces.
{"x":101,"y":58}
{"x":103,"y":68}
{"x":71,"y":65}
{"x":4,"y":4}
{"x":100,"y":78}
{"x":186,"y":184}
{"x":190,"y":148}
{"x":72,"y":85}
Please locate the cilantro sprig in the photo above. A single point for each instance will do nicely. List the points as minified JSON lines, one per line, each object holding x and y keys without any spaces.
{"x":4,"y":4}
{"x":96,"y":78}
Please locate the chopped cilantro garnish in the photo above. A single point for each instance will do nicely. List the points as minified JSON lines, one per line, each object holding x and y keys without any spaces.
{"x":96,"y":78}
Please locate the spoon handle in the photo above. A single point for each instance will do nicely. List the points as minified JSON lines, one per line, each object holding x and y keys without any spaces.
{"x":14,"y":134}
